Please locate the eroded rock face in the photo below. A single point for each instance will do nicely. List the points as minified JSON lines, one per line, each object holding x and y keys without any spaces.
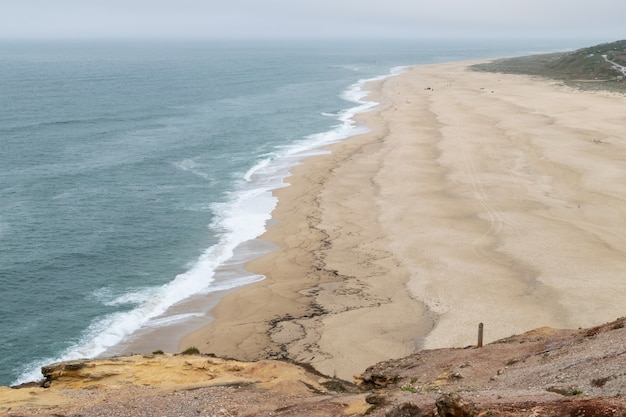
{"x":381,"y":375}
{"x":376,"y":398}
{"x":70,"y":370}
{"x":452,"y":405}
{"x":544,"y":372}
{"x":405,"y":410}
{"x":374,"y":381}
{"x":181,"y":371}
{"x":63,"y":366}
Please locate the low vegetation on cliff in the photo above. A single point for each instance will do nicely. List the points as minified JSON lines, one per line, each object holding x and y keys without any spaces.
{"x":587,"y":68}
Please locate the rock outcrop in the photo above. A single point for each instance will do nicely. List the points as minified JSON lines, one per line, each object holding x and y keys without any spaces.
{"x":543,"y":372}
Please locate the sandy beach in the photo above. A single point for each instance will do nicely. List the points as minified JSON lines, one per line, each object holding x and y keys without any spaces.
{"x":475,"y":197}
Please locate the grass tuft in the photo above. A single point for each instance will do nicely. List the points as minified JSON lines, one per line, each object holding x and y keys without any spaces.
{"x":192,"y":350}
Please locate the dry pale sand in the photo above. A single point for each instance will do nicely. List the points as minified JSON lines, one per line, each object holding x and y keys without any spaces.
{"x":476,"y":197}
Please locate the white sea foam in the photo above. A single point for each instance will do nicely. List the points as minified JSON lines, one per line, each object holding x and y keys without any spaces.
{"x":169,"y":320}
{"x":192,"y":166}
{"x":136,"y":297}
{"x":241,"y":219}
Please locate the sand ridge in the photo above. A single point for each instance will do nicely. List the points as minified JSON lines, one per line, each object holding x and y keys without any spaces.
{"x":475,"y":197}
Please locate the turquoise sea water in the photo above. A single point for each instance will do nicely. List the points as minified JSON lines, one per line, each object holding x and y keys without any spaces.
{"x":130,"y":171}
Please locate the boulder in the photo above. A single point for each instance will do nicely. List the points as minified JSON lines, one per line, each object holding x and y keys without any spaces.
{"x":404,"y":410}
{"x":452,"y":405}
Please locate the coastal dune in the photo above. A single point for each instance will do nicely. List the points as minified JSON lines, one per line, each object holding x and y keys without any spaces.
{"x":475,"y":197}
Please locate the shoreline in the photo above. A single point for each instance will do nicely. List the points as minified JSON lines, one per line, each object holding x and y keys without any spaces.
{"x":296,"y":310}
{"x":475,"y":197}
{"x":302,"y":291}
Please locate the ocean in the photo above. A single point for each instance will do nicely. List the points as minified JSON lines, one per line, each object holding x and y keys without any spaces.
{"x":131,"y":171}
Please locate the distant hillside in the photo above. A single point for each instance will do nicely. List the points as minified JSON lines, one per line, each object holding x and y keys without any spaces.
{"x":588,"y":68}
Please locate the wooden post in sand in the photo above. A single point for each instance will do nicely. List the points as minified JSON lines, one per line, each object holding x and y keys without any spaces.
{"x":480,"y":335}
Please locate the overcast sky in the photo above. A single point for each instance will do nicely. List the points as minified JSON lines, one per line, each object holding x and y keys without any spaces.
{"x":591,"y":19}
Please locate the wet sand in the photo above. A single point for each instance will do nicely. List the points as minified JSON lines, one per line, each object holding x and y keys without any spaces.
{"x":476,"y":197}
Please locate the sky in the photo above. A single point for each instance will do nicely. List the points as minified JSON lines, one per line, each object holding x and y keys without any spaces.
{"x":211,"y":19}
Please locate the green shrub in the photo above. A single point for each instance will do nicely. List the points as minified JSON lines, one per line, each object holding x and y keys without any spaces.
{"x":192,"y":350}
{"x":409,"y":388}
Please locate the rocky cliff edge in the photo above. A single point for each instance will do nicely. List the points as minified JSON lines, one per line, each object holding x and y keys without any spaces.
{"x":545,"y":372}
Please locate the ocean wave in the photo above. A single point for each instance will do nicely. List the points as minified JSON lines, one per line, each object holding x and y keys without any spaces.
{"x":68,"y":122}
{"x":109,"y":297}
{"x":240,"y":219}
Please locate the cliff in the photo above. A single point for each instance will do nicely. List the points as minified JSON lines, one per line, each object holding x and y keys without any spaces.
{"x":599,"y":67}
{"x":543,"y":372}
